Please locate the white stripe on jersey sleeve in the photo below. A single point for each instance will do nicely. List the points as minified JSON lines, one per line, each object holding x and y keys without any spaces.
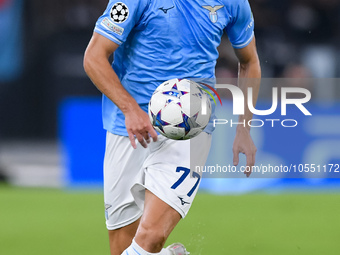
{"x":240,"y":46}
{"x":107,"y":35}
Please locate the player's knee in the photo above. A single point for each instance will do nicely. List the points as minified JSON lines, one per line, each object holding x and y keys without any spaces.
{"x":153,"y":238}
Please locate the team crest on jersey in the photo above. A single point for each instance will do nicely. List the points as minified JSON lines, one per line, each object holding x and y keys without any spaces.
{"x":107,"y":207}
{"x":213,"y":12}
{"x":119,"y":12}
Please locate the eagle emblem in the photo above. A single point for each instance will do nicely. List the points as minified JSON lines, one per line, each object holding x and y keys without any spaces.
{"x":213,"y":11}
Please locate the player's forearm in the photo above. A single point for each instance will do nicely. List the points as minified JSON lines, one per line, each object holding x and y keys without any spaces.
{"x":105,"y":79}
{"x":249,"y":77}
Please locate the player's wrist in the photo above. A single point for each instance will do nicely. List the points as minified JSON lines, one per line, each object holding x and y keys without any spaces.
{"x":242,"y":128}
{"x":129,"y":106}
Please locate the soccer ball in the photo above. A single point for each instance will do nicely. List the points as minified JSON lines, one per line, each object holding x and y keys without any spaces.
{"x":179,"y":109}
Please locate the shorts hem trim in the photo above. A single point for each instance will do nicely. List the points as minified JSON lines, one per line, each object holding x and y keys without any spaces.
{"x":125,"y":223}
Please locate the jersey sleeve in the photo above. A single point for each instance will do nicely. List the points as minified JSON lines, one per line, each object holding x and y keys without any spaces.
{"x":241,"y":28}
{"x":119,"y":18}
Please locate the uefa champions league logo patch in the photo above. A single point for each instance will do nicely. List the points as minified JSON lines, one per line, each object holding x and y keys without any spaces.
{"x":113,"y":27}
{"x":213,"y":11}
{"x":119,"y":12}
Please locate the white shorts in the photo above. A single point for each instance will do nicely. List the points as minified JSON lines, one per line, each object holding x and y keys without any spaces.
{"x":163,"y":168}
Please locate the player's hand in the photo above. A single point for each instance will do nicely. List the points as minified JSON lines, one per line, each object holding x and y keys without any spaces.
{"x":138,"y":125}
{"x":243,"y":143}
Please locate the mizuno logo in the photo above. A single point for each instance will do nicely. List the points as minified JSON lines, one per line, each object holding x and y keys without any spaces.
{"x":166,"y":10}
{"x":182,"y":201}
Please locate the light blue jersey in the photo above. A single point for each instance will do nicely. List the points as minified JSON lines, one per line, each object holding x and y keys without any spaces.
{"x":165,"y":39}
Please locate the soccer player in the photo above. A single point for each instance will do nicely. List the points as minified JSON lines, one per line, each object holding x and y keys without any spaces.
{"x":147,"y":189}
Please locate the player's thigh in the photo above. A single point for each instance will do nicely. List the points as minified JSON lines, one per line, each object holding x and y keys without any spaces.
{"x":122,"y":169}
{"x":170,"y":172}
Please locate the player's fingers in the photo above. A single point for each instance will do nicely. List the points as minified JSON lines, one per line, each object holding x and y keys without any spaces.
{"x":146,"y":137}
{"x":254,"y":154}
{"x":148,"y":140}
{"x":247,"y":171}
{"x":235,"y":157}
{"x":141,"y":140}
{"x":250,"y":156}
{"x":153,"y":133}
{"x":132,"y":140}
{"x":250,"y":159}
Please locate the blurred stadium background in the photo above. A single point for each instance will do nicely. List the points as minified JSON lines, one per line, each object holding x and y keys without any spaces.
{"x":48,"y":105}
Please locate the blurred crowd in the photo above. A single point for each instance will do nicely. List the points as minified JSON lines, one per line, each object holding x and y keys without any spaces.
{"x":295,"y":38}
